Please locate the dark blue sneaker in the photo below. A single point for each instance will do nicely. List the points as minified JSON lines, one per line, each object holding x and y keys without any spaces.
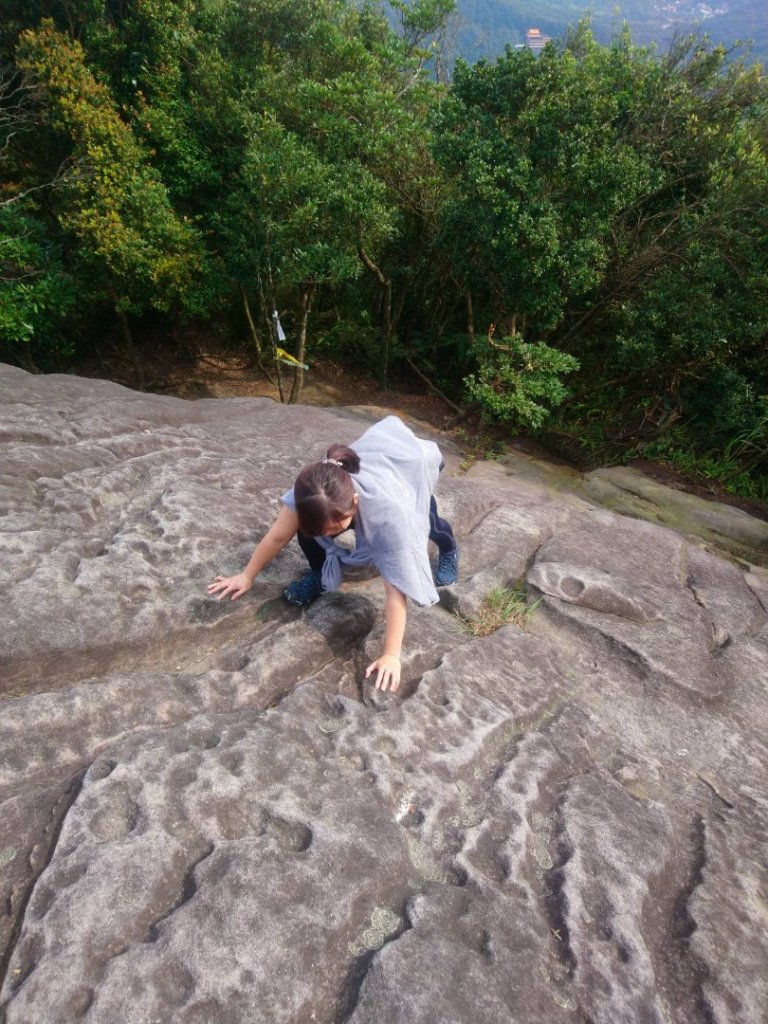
{"x":447,"y":571}
{"x":305,"y":589}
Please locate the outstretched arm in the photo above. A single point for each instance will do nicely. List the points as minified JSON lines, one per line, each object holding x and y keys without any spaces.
{"x":282,"y":531}
{"x":387,"y":665}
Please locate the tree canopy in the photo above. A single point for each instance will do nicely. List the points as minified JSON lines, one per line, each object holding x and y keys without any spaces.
{"x":574,"y":240}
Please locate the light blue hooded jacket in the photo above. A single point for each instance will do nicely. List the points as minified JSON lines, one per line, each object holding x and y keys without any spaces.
{"x":398,"y":473}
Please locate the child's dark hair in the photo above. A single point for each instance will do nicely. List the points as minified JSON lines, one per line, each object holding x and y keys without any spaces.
{"x":324,"y":491}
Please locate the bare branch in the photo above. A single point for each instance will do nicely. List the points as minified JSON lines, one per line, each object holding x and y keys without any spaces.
{"x":62,"y":177}
{"x":15,"y":278}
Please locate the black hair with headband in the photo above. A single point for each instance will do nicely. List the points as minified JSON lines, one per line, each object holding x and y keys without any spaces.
{"x":324,"y":491}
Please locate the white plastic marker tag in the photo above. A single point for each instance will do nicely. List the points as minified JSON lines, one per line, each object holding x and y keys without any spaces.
{"x":278,"y":326}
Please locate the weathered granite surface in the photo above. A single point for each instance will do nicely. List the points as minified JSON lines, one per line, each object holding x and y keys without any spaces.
{"x":720,"y":527}
{"x":206,"y":816}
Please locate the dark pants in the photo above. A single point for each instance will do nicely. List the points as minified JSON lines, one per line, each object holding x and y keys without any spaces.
{"x":439,"y":531}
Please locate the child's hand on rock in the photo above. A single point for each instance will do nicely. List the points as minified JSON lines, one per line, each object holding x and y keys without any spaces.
{"x":387,"y":669}
{"x":234,"y":585}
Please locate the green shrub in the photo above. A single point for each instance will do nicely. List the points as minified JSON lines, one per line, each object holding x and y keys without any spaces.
{"x":520,"y":381}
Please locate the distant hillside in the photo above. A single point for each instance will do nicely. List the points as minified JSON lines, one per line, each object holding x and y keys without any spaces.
{"x":486,"y":26}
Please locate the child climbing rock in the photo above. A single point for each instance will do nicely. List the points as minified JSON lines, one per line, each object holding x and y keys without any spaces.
{"x":381,"y":487}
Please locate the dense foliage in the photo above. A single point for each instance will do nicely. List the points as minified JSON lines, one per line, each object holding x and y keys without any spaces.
{"x":613,"y":205}
{"x":575,"y":241}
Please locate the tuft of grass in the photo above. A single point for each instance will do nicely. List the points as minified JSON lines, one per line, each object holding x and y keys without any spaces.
{"x":501,"y":606}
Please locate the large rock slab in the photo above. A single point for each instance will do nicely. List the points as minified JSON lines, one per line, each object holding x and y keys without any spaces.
{"x":721,"y":527}
{"x":207,"y":815}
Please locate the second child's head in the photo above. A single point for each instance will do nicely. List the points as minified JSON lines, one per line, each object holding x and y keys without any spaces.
{"x":325,"y":494}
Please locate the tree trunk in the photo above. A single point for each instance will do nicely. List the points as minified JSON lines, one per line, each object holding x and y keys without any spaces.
{"x":386,"y":285}
{"x":433,"y":387}
{"x":255,"y":337}
{"x":298,"y":373}
{"x":138,"y":363}
{"x":471,"y":320}
{"x":272,"y":332}
{"x":26,"y":362}
{"x":385,"y":352}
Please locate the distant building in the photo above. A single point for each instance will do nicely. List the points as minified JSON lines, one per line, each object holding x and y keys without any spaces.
{"x":535,"y":40}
